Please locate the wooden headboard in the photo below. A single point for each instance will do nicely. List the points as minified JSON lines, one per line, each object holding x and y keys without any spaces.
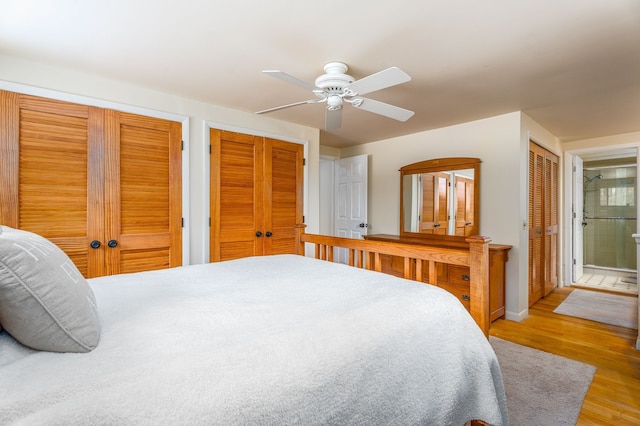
{"x":366,"y":254}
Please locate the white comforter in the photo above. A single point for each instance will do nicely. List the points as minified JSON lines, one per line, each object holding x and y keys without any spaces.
{"x":266,"y":340}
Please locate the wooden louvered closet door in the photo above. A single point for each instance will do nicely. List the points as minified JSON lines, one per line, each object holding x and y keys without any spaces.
{"x":144,"y":192}
{"x":47,"y":150}
{"x":236,"y":195}
{"x":76,"y":174}
{"x":551,"y":186}
{"x":256,"y":195}
{"x":283,"y":194}
{"x":543,"y":222}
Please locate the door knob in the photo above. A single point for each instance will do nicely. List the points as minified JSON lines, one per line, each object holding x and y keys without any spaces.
{"x":258,"y":234}
{"x":95,"y":244}
{"x":268,"y":234}
{"x":112,"y":243}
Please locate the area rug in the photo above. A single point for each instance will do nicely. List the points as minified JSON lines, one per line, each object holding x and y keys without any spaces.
{"x":601,"y":307}
{"x":541,"y":388}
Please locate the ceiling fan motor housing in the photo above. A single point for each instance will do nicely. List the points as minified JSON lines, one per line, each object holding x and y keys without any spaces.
{"x":335,"y":78}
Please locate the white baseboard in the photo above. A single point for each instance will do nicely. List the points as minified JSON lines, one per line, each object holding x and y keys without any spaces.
{"x":517,"y":316}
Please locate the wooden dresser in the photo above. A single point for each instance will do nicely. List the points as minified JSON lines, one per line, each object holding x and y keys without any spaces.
{"x":454,"y":278}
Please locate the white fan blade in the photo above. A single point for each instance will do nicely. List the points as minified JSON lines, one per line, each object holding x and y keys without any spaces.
{"x":333,"y":119}
{"x":290,"y":79}
{"x":380,"y":80}
{"x":382,"y":108}
{"x":310,"y":101}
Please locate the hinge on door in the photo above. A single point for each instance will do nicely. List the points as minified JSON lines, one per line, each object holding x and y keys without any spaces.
{"x":210,"y":150}
{"x":209,"y":222}
{"x":574,"y":261}
{"x":302,"y":219}
{"x":182,"y":222}
{"x":182,"y":145}
{"x":304,"y":161}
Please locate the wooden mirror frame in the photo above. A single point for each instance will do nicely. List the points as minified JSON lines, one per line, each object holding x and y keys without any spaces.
{"x":441,"y":165}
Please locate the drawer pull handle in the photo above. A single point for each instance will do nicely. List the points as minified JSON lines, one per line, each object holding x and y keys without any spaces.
{"x":466,"y":297}
{"x":466,"y":277}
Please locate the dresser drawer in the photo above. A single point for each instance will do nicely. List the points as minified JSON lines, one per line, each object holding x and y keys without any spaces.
{"x":460,"y":291}
{"x":459,"y":275}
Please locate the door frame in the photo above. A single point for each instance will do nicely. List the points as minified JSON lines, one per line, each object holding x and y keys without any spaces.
{"x":577,"y":218}
{"x":569,"y":196}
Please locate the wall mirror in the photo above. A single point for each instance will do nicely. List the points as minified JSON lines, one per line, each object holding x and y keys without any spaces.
{"x":440,"y":197}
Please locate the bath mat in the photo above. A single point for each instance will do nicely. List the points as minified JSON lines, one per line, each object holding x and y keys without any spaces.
{"x":601,"y":307}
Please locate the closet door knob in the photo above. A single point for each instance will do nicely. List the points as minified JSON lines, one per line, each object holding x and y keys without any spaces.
{"x":95,"y":244}
{"x":258,"y":234}
{"x":268,"y":234}
{"x":112,"y":243}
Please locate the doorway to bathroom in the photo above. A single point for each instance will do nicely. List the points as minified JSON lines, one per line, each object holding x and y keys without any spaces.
{"x":605,"y":211}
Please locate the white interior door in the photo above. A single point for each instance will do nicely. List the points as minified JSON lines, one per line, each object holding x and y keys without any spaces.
{"x":578,"y":218}
{"x":351,"y":199}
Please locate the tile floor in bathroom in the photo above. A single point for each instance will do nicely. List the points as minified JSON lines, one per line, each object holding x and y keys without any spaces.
{"x":623,"y":281}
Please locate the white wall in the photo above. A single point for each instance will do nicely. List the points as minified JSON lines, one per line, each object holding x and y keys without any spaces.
{"x":43,"y":80}
{"x":497,"y":141}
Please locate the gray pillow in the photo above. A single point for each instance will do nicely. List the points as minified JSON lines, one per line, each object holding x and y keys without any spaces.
{"x":45,"y":302}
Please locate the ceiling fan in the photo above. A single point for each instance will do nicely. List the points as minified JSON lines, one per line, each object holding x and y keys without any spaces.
{"x":335,"y":88}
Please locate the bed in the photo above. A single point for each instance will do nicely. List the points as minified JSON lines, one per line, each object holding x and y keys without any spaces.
{"x":283,"y":339}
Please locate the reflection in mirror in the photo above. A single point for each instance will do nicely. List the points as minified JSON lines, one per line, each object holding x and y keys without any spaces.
{"x":439,"y":197}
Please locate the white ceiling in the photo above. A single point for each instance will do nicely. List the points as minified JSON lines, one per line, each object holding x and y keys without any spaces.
{"x":571,"y":65}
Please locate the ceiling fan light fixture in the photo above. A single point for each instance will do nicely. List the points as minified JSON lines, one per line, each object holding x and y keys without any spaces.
{"x":334,"y":102}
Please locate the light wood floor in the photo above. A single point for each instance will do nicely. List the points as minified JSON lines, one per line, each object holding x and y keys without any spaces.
{"x":614,"y":395}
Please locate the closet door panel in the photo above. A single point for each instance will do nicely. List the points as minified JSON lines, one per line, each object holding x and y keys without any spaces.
{"x":143,"y":197}
{"x":464,"y":206}
{"x":51,"y":174}
{"x":551,"y":222}
{"x":428,"y":212}
{"x":283,"y":194}
{"x":236,"y":195}
{"x":536,"y":218}
{"x":543,"y":222}
{"x":9,"y":157}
